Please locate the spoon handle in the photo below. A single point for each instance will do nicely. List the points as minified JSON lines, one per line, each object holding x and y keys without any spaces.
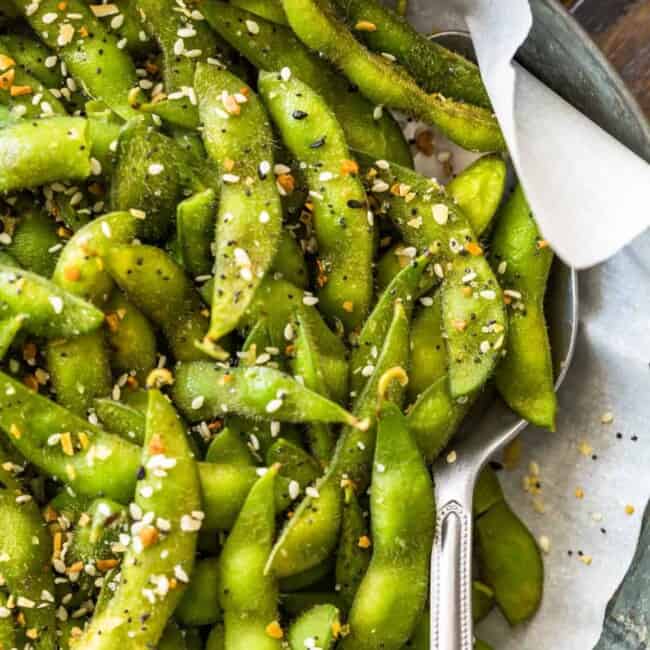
{"x":451,"y":575}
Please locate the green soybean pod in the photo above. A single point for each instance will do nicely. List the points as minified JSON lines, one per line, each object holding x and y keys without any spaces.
{"x":275,"y":47}
{"x":403,"y":521}
{"x":27,"y":577}
{"x":25,"y":162}
{"x":201,"y":391}
{"x":200,"y":602}
{"x":270,"y":10}
{"x":121,"y":419}
{"x":228,"y":447}
{"x":289,"y":261}
{"x":9,"y":328}
{"x":155,"y":284}
{"x":248,"y":596}
{"x":294,"y":462}
{"x":238,"y":137}
{"x":345,"y":234}
{"x":434,"y":67}
{"x":311,"y":535}
{"x":49,"y":311}
{"x":353,"y":552}
{"x":146,"y":178}
{"x":130,"y":337}
{"x":78,"y":382}
{"x":32,"y":55}
{"x":523,"y":261}
{"x":510,"y":562}
{"x":174,"y":495}
{"x":34,"y":242}
{"x":478,"y":191}
{"x":320,"y":625}
{"x":307,"y":364}
{"x":127,"y":27}
{"x":315,"y":22}
{"x":86,"y":460}
{"x":195,"y":219}
{"x":104,"y":128}
{"x":310,"y":578}
{"x":91,"y":54}
{"x":482,"y":600}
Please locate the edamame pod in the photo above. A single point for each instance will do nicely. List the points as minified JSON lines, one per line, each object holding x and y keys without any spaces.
{"x":289,"y":261}
{"x":195,"y":219}
{"x":161,"y":290}
{"x":25,"y":162}
{"x":386,"y":84}
{"x":202,"y":391}
{"x":200,"y":602}
{"x":127,"y":26}
{"x":310,"y":536}
{"x":238,"y":137}
{"x":121,"y":419}
{"x":130,"y":337}
{"x":354,"y":550}
{"x":49,"y":311}
{"x":523,"y":261}
{"x":9,"y":328}
{"x":79,"y":370}
{"x":294,"y":462}
{"x":403,"y":521}
{"x":275,"y":47}
{"x":478,"y":191}
{"x":307,"y":364}
{"x":271,"y":10}
{"x":341,"y":222}
{"x":146,"y":179}
{"x":319,"y":625}
{"x":310,"y":578}
{"x":91,"y":54}
{"x":434,"y":67}
{"x":26,"y":550}
{"x":216,"y":639}
{"x":229,"y":448}
{"x":174,"y":496}
{"x":32,"y":55}
{"x":248,"y":596}
{"x":66,"y":446}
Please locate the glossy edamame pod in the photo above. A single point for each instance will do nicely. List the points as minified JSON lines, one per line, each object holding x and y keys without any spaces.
{"x":248,"y":596}
{"x":311,"y":535}
{"x":34,"y":241}
{"x":216,"y":639}
{"x":27,"y":578}
{"x":523,"y":261}
{"x":103,"y":132}
{"x":195,"y":219}
{"x":25,"y":162}
{"x":510,"y":562}
{"x":289,"y":261}
{"x":121,"y":419}
{"x":238,"y":137}
{"x":274,"y":47}
{"x":478,"y":191}
{"x":294,"y":462}
{"x":310,"y":578}
{"x":307,"y":364}
{"x":229,"y":448}
{"x":173,"y":495}
{"x":319,"y":626}
{"x":79,"y":370}
{"x":130,"y":337}
{"x":91,"y":54}
{"x":202,"y":391}
{"x":161,"y":290}
{"x":354,"y":549}
{"x":31,"y":54}
{"x":49,"y":311}
{"x":487,"y":492}
{"x":482,"y":600}
{"x":299,"y":602}
{"x":341,"y":223}
{"x":405,"y":288}
{"x":386,"y":84}
{"x":146,"y":178}
{"x":434,"y":67}
{"x":200,"y":602}
{"x":127,"y":26}
{"x":23,"y":93}
{"x":85,"y":459}
{"x":392,"y":594}
{"x":474,"y":318}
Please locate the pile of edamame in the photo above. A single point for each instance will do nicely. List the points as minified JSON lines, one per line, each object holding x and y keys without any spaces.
{"x":236,"y":326}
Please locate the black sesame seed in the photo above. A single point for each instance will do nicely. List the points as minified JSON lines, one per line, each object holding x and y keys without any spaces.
{"x":299,"y":115}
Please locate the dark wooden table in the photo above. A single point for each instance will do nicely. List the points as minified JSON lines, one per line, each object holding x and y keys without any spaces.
{"x":622,"y":29}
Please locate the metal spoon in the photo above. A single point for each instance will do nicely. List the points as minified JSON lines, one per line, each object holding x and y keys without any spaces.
{"x":497,"y":425}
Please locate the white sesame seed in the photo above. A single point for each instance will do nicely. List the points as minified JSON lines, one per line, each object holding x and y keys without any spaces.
{"x":179,"y":47}
{"x":452,"y":457}
{"x":252,"y":27}
{"x":51,"y":61}
{"x":378,"y":112}
{"x":197,"y":402}
{"x":280,"y":169}
{"x":325,"y":176}
{"x":501,"y":269}
{"x":146,"y":491}
{"x":427,"y":301}
{"x":294,"y":489}
{"x":57,"y":304}
{"x":484,"y":347}
{"x":5,"y":238}
{"x":512,"y":293}
{"x":274,"y":405}
{"x":117,"y":21}
{"x":285,"y":74}
{"x":155,"y":168}
{"x":312,"y":492}
{"x":440,"y":213}
{"x":288,"y":332}
{"x":380,"y":186}
{"x":309,"y":300}
{"x":230,"y":178}
{"x":264,"y":217}
{"x":49,"y":18}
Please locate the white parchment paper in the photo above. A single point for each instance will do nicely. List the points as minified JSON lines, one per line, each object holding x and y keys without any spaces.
{"x":578,"y":179}
{"x":610,"y":372}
